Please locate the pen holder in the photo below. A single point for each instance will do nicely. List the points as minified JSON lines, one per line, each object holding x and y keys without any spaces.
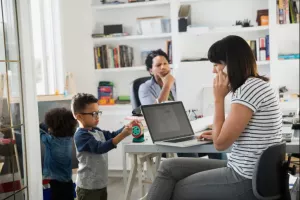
{"x":138,"y":132}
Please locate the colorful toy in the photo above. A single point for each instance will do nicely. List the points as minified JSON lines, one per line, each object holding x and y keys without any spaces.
{"x":138,"y":132}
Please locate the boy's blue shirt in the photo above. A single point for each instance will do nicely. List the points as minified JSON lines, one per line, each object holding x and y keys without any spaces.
{"x":57,"y":157}
{"x":85,"y":141}
{"x":92,"y":146}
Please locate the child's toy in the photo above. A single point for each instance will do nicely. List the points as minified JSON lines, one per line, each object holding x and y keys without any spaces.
{"x":138,"y":132}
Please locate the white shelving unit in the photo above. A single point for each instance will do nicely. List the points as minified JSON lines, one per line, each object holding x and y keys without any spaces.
{"x":122,"y":69}
{"x":132,"y":37}
{"x":229,"y":30}
{"x":195,"y":45}
{"x":130,"y":5}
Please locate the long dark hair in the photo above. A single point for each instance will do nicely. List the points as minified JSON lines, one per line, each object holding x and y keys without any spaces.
{"x":235,"y":52}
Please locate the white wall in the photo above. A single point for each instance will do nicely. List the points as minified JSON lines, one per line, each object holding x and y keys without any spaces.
{"x":77,"y":46}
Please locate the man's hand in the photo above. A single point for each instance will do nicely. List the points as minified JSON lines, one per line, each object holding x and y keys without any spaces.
{"x":168,"y":80}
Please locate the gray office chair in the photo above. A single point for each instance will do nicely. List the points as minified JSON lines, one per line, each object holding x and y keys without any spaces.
{"x":134,"y":91}
{"x":270,"y":178}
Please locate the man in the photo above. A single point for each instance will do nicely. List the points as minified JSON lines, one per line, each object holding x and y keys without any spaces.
{"x":161,"y":87}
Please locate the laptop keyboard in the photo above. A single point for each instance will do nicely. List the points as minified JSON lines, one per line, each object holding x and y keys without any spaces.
{"x":182,"y":139}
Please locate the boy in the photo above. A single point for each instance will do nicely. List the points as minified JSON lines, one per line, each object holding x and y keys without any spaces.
{"x":57,"y":135}
{"x":92,"y":145}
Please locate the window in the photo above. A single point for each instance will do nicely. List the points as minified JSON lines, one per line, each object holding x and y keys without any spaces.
{"x":47,"y":46}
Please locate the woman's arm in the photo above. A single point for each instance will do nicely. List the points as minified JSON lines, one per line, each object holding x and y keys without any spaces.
{"x":225,"y":132}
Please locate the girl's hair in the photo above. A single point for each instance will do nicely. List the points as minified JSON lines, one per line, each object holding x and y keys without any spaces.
{"x":61,"y":122}
{"x":236,"y":54}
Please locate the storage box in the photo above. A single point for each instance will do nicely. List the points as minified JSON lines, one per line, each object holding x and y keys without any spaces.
{"x":184,"y":17}
{"x":150,"y":25}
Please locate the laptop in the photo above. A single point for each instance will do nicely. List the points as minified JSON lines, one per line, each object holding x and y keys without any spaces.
{"x":168,"y":125}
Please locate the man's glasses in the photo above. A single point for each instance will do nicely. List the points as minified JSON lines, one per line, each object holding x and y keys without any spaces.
{"x":93,"y":114}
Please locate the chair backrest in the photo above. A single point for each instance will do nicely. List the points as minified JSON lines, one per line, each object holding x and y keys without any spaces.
{"x":134,"y":91}
{"x":269,"y":175}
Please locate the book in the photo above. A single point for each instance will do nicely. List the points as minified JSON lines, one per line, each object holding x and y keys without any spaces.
{"x":287,"y":11}
{"x":288,"y":56}
{"x":267,"y":47}
{"x":253,"y":48}
{"x":262,"y":49}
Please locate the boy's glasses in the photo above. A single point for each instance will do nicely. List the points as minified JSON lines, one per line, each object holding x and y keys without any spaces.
{"x":93,"y":114}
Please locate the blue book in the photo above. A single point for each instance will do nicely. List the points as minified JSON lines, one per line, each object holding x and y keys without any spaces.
{"x":288,"y":56}
{"x":267,"y":47}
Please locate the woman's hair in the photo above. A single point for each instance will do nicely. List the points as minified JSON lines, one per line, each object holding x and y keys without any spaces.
{"x":236,"y":54}
{"x":61,"y":122}
{"x":153,"y":54}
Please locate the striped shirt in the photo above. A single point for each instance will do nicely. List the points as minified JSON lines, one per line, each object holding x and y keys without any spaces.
{"x":264,"y":128}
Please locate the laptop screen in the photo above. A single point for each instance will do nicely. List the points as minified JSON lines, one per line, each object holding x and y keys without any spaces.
{"x":167,"y":121}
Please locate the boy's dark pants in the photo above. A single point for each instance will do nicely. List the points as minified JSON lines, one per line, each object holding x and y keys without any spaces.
{"x":97,"y":194}
{"x":62,"y":190}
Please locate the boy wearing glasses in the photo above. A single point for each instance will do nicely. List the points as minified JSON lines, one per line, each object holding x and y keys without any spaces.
{"x":92,"y":145}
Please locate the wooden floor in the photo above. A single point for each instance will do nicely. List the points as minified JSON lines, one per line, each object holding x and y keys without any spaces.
{"x":116,"y":189}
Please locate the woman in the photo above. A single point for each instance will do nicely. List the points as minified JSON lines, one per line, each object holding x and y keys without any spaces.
{"x":253,"y":124}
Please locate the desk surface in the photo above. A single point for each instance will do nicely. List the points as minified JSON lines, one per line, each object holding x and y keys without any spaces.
{"x":149,"y":147}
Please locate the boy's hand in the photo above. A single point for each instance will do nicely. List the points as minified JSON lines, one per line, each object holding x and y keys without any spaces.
{"x":126,"y":132}
{"x":128,"y":128}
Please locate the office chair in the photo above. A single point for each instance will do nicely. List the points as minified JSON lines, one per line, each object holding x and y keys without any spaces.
{"x":134,"y":91}
{"x":270,"y":178}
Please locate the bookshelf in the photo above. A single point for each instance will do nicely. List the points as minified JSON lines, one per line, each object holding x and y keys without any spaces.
{"x":195,"y":44}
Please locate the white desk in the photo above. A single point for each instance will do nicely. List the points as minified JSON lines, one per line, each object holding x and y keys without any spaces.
{"x":147,"y":148}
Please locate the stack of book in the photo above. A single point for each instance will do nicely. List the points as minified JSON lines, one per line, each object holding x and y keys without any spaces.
{"x":287,"y":11}
{"x":107,"y":57}
{"x":260,"y":48}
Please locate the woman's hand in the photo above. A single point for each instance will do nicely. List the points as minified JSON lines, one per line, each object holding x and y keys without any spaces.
{"x":207,"y":135}
{"x":221,"y":86}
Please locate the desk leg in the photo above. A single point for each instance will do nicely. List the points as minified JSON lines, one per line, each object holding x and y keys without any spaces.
{"x":151,"y":168}
{"x":124,"y":167}
{"x":132,"y":176}
{"x":140,"y":178}
{"x":157,"y":161}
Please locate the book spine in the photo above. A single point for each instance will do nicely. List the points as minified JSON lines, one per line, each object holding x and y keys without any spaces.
{"x":267,"y":47}
{"x":116,"y":57}
{"x":289,"y":57}
{"x":119,"y":56}
{"x":281,"y":12}
{"x":262,"y":49}
{"x":253,"y":48}
{"x":111,"y":57}
{"x":296,"y":12}
{"x":131,"y":56}
{"x":287,"y":11}
{"x":257,"y":50}
{"x":96,"y":57}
